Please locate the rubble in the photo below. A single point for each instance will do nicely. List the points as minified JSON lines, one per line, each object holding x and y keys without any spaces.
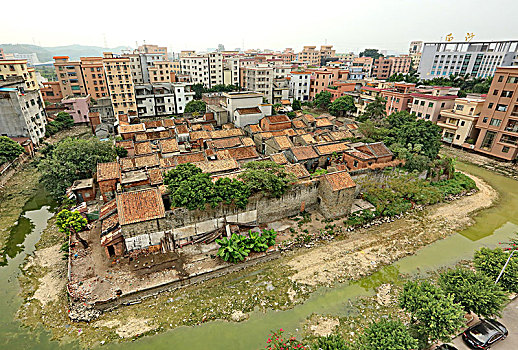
{"x":80,"y":312}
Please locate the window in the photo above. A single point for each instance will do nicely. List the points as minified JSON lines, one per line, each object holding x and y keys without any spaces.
{"x":430,"y":104}
{"x":512,"y":80}
{"x":457,"y":137}
{"x":489,"y":137}
{"x":422,"y":103}
{"x":490,"y":106}
{"x":495,"y":92}
{"x":500,"y":78}
{"x":427,"y":116}
{"x":505,"y":149}
{"x":459,"y":107}
{"x":501,"y":107}
{"x":506,"y":93}
{"x":442,"y":105}
{"x":355,"y":164}
{"x":416,"y":102}
{"x":513,"y":140}
{"x":462,"y":123}
{"x":495,"y":122}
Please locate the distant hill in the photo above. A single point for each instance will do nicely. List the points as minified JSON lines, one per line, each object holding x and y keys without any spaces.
{"x":73,"y":51}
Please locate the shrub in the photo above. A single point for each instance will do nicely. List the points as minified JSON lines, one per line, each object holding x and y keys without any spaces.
{"x":238,"y":246}
{"x":267,"y":177}
{"x":387,"y":335}
{"x":330,"y":342}
{"x":491,"y":261}
{"x":276,"y":341}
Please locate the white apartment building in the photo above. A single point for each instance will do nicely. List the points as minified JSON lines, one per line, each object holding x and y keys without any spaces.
{"x":260,"y":79}
{"x":22,"y":112}
{"x":140,"y":64}
{"x":162,"y":99}
{"x":206,"y":69}
{"x":231,"y":71}
{"x":300,"y":83}
{"x":477,"y":58}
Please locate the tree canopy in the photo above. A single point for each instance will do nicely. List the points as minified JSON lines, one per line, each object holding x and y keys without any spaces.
{"x":491,"y":262}
{"x":375,"y":110}
{"x":71,"y":222}
{"x":62,"y":121}
{"x":322,"y":99}
{"x":374,"y":53}
{"x":296,"y":105}
{"x":342,"y":105}
{"x":267,"y":177}
{"x":73,"y":159}
{"x":195,"y":106}
{"x":9,"y":149}
{"x":387,"y":335}
{"x":435,"y":315}
{"x":199,"y":89}
{"x":475,"y":291}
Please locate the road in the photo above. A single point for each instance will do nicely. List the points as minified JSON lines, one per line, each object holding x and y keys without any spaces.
{"x":510,"y":320}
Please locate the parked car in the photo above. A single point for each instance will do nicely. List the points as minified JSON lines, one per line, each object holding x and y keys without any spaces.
{"x":446,"y":347}
{"x":484,"y":334}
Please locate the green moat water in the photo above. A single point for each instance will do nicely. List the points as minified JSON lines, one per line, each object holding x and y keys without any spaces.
{"x":491,"y":226}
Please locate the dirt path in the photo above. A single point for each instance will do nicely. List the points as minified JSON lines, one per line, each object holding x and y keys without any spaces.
{"x":366,"y":250}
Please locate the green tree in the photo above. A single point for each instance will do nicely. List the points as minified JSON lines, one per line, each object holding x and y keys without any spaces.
{"x":375,"y":111}
{"x":73,"y":159}
{"x":491,"y":261}
{"x":231,"y":191}
{"x":121,"y":151}
{"x":296,"y":105}
{"x":71,"y":222}
{"x":387,"y":335}
{"x":330,"y":342}
{"x":323,"y":99}
{"x":435,"y":315}
{"x":174,"y":177}
{"x":194,"y":193}
{"x":195,"y":106}
{"x":374,"y":53}
{"x":342,"y":106}
{"x":198,"y":89}
{"x":475,"y":291}
{"x":61,"y":121}
{"x":267,"y":177}
{"x":9,"y":149}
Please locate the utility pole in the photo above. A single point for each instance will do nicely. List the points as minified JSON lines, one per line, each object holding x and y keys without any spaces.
{"x":505,"y":265}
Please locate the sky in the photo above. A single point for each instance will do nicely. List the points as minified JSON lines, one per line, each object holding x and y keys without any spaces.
{"x":266,"y":24}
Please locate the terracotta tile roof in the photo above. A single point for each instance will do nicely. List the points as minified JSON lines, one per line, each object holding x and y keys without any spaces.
{"x":225,"y":143}
{"x":217,"y":166}
{"x":297,"y":169}
{"x":159,"y":134}
{"x":285,"y":102}
{"x":169,"y":146}
{"x":155,"y":176}
{"x":220,"y":134}
{"x":323,"y":122}
{"x":255,"y":128}
{"x":253,"y":110}
{"x":377,"y":149}
{"x":123,"y":129}
{"x":308,"y":138}
{"x":352,"y":126}
{"x":340,"y":135}
{"x":138,"y":206}
{"x":360,"y":155}
{"x":168,"y":123}
{"x":196,"y":135}
{"x":109,"y":223}
{"x":182,"y":129}
{"x":195,"y":127}
{"x":339,"y":180}
{"x":127,"y":163}
{"x":283,"y":142}
{"x":190,"y":158}
{"x":108,"y":209}
{"x":141,"y":136}
{"x":298,"y":124}
{"x":331,"y":148}
{"x":147,"y":161}
{"x":208,"y":127}
{"x":150,"y":124}
{"x":304,"y":152}
{"x":127,"y":144}
{"x":238,"y":153}
{"x":281,"y":118}
{"x":279,"y":158}
{"x":247,"y":141}
{"x":168,"y":162}
{"x":309,"y":118}
{"x":143,"y":148}
{"x":108,"y":171}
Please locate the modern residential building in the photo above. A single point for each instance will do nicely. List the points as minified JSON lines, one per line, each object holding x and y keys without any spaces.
{"x":241,"y":108}
{"x":93,"y":77}
{"x":381,"y":68}
{"x":498,"y":121}
{"x":310,"y":56}
{"x":78,"y":108}
{"x":429,"y":105}
{"x":70,"y":76}
{"x":326,"y":53}
{"x":320,"y":81}
{"x":288,"y":56}
{"x":476,"y":58}
{"x":364,"y":64}
{"x":259,"y":79}
{"x":22,"y":112}
{"x":19,"y":68}
{"x":162,"y":99}
{"x":416,"y":47}
{"x":153,"y":49}
{"x":458,"y":123}
{"x":120,"y":83}
{"x":51,"y":92}
{"x":400,"y":64}
{"x":206,"y":69}
{"x":299,"y":84}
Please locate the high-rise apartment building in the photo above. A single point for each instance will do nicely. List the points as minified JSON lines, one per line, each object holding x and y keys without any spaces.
{"x":162,"y":99}
{"x":93,"y":77}
{"x":120,"y":83}
{"x":22,"y":112}
{"x":206,"y":69}
{"x":259,"y":79}
{"x":153,"y":49}
{"x":400,"y":64}
{"x":476,"y":58}
{"x":310,"y":56}
{"x":381,"y":68}
{"x":70,"y":76}
{"x":498,"y":121}
{"x":363,"y":63}
{"x":19,"y":68}
{"x":414,"y":51}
